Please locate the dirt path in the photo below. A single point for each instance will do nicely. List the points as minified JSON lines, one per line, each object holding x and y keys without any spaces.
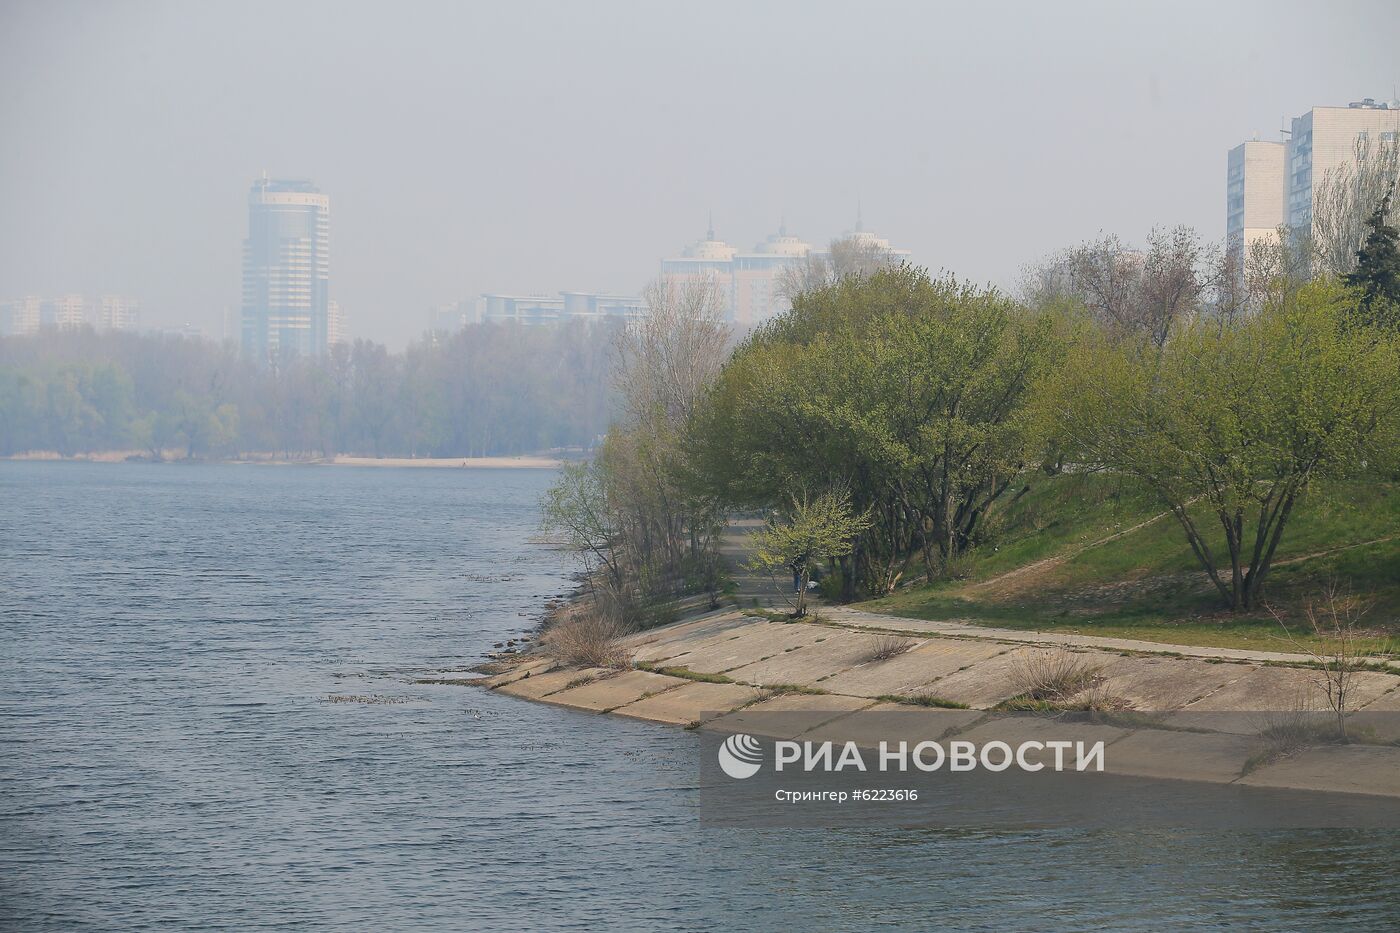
{"x":1028,"y":573}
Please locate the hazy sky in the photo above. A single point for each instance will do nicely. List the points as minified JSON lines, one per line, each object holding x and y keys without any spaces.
{"x":512,"y":146}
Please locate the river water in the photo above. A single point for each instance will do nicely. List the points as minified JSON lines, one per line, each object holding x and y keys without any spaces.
{"x":208,"y":718}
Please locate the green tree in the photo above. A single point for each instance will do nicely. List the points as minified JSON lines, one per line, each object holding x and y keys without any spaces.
{"x":907,"y":392}
{"x":1234,"y":424}
{"x":807,"y":532}
{"x":1377,"y":271}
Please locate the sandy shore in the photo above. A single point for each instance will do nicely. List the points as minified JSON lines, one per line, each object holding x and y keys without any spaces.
{"x":523,"y":463}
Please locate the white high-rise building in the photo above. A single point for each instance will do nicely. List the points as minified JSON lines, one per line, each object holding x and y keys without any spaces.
{"x":1269,"y":184}
{"x":1254,"y":192}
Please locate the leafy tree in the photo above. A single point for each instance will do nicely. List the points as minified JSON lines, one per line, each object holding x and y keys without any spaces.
{"x":808,"y":531}
{"x":1377,"y":271}
{"x":576,"y":506}
{"x":1236,"y":423}
{"x":907,"y":392}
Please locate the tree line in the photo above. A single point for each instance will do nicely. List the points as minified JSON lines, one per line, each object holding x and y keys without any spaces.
{"x":488,"y":389}
{"x":899,"y":411}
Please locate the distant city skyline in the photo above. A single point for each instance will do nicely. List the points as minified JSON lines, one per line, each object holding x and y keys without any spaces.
{"x":31,"y":313}
{"x":980,"y":137}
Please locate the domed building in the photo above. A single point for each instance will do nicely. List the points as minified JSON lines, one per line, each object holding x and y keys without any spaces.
{"x":754,"y":284}
{"x":709,"y":260}
{"x":710,"y":248}
{"x":758,"y":276}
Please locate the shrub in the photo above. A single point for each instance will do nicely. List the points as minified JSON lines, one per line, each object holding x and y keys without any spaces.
{"x":582,"y":638}
{"x":888,"y":646}
{"x":1052,"y":675}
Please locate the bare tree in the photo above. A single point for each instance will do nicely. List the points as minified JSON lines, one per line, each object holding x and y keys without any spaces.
{"x":1130,"y":291}
{"x":1335,"y":621}
{"x":1174,"y":277}
{"x":1346,"y":196}
{"x":1243,"y":278}
{"x":667,"y":357}
{"x":847,"y":256}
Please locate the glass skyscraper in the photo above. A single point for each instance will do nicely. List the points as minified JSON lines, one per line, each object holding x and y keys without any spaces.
{"x":286,"y":270}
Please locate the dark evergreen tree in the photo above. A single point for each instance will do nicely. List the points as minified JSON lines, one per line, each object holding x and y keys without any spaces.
{"x":1377,"y":271}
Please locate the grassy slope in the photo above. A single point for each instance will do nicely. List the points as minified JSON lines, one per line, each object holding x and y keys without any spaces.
{"x":1146,"y":584}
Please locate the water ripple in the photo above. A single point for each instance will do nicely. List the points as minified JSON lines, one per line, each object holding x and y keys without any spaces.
{"x":168,"y":639}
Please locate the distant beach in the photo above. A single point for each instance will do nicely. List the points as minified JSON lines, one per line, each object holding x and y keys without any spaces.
{"x":525,"y":462}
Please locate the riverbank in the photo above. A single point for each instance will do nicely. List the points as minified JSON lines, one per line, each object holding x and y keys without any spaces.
{"x":493,"y":463}
{"x":1213,"y":718}
{"x":1188,"y":712}
{"x":524,"y":462}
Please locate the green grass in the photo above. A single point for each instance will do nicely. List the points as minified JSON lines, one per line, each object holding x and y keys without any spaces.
{"x":799,"y":689}
{"x":921,"y":699}
{"x":688,"y":674}
{"x":1147,"y":585}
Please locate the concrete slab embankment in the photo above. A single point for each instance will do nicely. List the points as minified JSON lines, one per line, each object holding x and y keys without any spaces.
{"x":737,"y":673}
{"x":611,"y":692}
{"x":693,"y":702}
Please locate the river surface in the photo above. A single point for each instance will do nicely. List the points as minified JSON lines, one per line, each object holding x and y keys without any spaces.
{"x":208,"y":719}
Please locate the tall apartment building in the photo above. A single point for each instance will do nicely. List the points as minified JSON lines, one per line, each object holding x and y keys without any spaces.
{"x":66,"y":312}
{"x":21,"y":316}
{"x":335,"y":324}
{"x":115,"y":312}
{"x":1269,"y":184}
{"x":1254,"y":191}
{"x":286,"y":270}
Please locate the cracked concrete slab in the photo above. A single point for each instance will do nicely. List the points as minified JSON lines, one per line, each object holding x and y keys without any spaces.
{"x":788,"y":715}
{"x":752,"y":643}
{"x":1348,"y":769}
{"x":987,"y":683}
{"x":907,"y":673}
{"x":657,"y":644}
{"x":520,"y":672}
{"x":697,"y":701}
{"x":1166,"y":683}
{"x":1277,"y":692}
{"x":613,"y":692}
{"x":807,"y":664}
{"x":893,"y":723}
{"x":1016,"y":730}
{"x":1182,"y":756}
{"x":538,"y":686}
